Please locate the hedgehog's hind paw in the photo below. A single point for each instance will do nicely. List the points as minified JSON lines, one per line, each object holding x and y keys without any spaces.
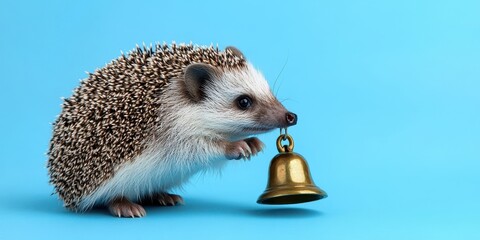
{"x":122,"y":207}
{"x":163,"y":199}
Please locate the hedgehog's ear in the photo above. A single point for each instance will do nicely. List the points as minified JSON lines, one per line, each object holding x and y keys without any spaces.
{"x":235,"y":52}
{"x":197,"y":75}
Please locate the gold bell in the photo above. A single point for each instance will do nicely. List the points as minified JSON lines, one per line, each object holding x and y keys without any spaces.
{"x":289,"y":179}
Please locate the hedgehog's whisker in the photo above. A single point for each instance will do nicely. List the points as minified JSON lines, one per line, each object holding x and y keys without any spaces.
{"x":278,"y":76}
{"x":286,"y":99}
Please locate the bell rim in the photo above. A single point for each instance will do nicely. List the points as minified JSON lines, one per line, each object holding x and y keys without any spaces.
{"x":301,"y":194}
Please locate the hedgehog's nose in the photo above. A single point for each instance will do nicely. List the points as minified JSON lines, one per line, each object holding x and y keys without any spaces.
{"x":291,"y":118}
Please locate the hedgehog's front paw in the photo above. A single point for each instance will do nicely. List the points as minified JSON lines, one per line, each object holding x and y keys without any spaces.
{"x":122,"y":207}
{"x":244,"y":148}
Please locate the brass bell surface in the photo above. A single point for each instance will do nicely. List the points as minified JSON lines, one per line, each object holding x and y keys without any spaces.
{"x":289,"y":179}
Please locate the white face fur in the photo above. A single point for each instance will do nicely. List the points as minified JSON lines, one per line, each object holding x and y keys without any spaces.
{"x":239,"y":102}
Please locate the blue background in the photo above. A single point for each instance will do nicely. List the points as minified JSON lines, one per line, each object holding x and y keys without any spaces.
{"x":387,"y":94}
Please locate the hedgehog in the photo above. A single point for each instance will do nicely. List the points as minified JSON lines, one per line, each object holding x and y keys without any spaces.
{"x":149,"y":120}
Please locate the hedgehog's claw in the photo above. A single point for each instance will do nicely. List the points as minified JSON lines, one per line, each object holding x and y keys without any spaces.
{"x":243,"y":149}
{"x":122,"y":207}
{"x":255,"y":145}
{"x":178,"y":199}
{"x":169,"y":200}
{"x":164,"y":199}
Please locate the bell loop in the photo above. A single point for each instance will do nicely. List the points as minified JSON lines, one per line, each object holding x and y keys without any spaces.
{"x":285,"y":148}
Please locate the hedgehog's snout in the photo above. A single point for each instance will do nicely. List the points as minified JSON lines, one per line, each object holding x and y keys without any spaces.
{"x":291,"y":118}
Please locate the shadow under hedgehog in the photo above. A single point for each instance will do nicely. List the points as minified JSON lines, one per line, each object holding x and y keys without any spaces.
{"x":149,"y":120}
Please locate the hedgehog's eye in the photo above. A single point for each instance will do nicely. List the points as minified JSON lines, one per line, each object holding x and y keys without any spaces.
{"x":244,"y":102}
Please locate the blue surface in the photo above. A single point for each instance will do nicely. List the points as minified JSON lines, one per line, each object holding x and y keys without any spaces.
{"x":388,"y":95}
